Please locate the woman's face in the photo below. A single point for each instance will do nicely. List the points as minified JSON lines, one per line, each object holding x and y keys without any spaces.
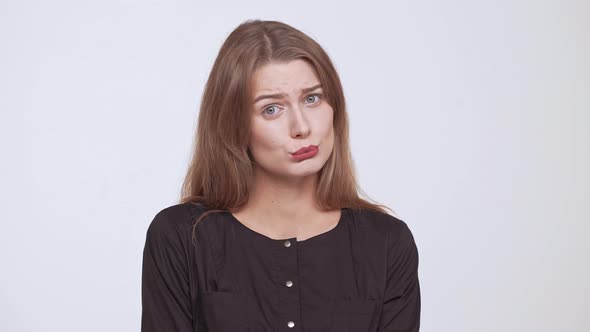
{"x":296,"y":116}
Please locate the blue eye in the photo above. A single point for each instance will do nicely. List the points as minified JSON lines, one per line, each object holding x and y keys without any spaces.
{"x":316,"y":95}
{"x":268,"y":108}
{"x":311,"y":99}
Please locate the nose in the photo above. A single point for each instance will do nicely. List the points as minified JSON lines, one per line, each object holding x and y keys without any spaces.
{"x":299,"y":123}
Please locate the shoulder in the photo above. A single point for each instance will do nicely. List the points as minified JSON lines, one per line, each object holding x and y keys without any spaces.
{"x":174,"y":218}
{"x":380,"y":221}
{"x":380,"y":224}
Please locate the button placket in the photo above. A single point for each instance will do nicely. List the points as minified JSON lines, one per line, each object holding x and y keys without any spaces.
{"x":289,"y":305}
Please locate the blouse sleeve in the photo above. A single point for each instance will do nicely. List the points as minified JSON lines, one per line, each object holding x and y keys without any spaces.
{"x":401,"y":307}
{"x":166,"y":304}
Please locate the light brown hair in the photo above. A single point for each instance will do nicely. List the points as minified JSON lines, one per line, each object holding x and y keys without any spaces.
{"x":220,"y":172}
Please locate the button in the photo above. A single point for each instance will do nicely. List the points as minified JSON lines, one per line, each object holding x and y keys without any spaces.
{"x":287,"y":243}
{"x":290,"y":324}
{"x":289,"y":283}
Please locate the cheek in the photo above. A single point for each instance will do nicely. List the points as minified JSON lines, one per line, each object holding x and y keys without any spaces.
{"x":327,"y":124}
{"x":263,"y":139}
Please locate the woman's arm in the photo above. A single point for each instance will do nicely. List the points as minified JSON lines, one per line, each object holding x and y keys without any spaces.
{"x":166,"y":303}
{"x":401,"y":308}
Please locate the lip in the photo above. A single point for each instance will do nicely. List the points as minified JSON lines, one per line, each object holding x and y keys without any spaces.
{"x":305,"y":153}
{"x":305,"y":149}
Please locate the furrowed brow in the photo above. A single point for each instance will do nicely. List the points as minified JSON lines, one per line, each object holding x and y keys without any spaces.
{"x":282,"y":95}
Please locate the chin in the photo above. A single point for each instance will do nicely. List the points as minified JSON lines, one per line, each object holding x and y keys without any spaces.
{"x":306,"y":170}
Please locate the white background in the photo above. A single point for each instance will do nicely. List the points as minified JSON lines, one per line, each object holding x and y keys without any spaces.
{"x":470,"y":119}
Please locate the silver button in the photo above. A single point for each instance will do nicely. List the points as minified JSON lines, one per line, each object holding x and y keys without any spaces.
{"x":287,"y":243}
{"x":290,"y":324}
{"x":289,"y":283}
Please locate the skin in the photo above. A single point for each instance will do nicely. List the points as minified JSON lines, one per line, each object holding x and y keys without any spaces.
{"x":282,"y":202}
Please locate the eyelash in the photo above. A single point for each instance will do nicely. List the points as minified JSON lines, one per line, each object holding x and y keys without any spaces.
{"x":318,"y":95}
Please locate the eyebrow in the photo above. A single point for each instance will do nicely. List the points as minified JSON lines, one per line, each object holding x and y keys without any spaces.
{"x":282,"y":95}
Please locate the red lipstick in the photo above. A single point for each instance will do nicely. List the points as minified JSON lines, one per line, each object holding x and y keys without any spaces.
{"x":305,"y":152}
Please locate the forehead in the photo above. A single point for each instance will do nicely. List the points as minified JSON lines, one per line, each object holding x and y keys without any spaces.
{"x":283,"y":77}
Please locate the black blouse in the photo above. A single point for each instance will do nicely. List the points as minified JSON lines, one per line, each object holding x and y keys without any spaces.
{"x":362,"y":275}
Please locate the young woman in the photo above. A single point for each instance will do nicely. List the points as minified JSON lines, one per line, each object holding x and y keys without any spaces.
{"x":270,"y":233}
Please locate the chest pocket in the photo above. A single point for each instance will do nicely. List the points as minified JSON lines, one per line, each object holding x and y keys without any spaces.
{"x":354,"y":315}
{"x":226,"y":311}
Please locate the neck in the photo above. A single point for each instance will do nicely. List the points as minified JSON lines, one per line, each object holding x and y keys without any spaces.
{"x":289,"y":200}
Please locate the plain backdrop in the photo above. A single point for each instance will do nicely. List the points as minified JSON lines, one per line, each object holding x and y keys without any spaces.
{"x":471,"y":119}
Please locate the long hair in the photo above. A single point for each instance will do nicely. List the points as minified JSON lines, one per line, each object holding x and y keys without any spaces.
{"x":220,"y":173}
